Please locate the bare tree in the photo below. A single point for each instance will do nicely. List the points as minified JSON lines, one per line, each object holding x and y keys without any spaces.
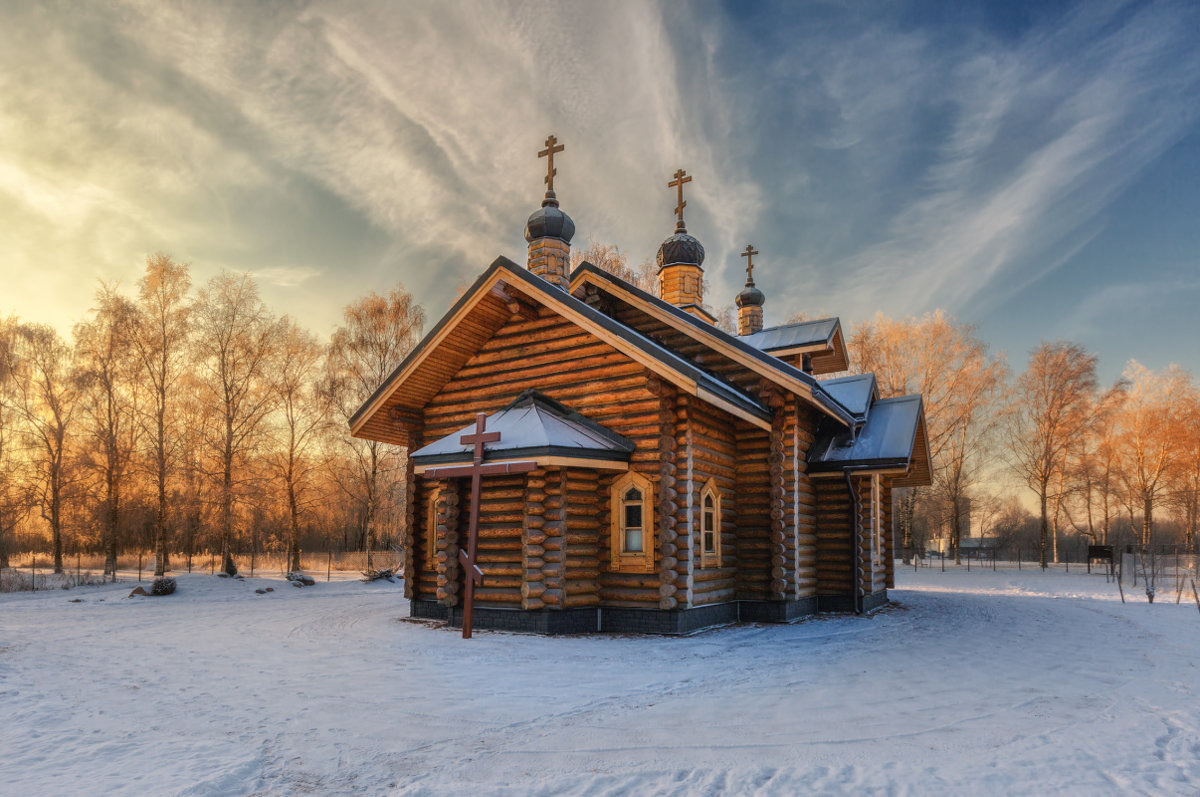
{"x":1185,"y":480}
{"x":1049,"y":409}
{"x":1150,"y":442}
{"x":961,"y":385}
{"x":161,"y":342}
{"x":610,"y":258}
{"x":379,"y":331}
{"x":106,"y":371}
{"x":16,"y":494}
{"x":44,"y":395}
{"x":234,"y":337}
{"x":304,"y":406}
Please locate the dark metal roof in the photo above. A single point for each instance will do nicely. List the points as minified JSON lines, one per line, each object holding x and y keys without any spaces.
{"x":886,"y":439}
{"x":737,"y":342}
{"x":710,"y":383}
{"x":790,"y":336}
{"x":549,"y":222}
{"x":533,"y":425}
{"x":852,"y":392}
{"x":680,"y":248}
{"x":750,"y":297}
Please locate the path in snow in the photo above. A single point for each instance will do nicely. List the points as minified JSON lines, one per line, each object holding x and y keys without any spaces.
{"x":974,"y":683}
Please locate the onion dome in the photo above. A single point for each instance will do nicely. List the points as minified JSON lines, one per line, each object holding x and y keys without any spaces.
{"x":680,"y":248}
{"x":549,"y":222}
{"x":750,"y":296}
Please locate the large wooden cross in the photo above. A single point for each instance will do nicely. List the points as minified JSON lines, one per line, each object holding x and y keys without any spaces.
{"x":548,"y":153}
{"x":476,"y":470}
{"x":749,"y":255}
{"x":680,"y":178}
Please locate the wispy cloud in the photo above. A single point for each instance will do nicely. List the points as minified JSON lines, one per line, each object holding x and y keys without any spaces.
{"x":877,"y":165}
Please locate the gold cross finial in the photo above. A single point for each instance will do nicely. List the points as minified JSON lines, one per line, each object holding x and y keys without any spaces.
{"x":680,"y":178}
{"x":749,"y":255}
{"x":548,"y":153}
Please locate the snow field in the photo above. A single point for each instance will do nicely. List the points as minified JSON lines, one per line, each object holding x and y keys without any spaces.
{"x":972,"y":683}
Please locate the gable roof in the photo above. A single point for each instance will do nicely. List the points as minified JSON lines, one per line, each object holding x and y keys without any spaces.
{"x":766,"y":365}
{"x":804,"y":335}
{"x":482,"y":310}
{"x":893,"y":437}
{"x":854,"y":392}
{"x":821,"y":340}
{"x":534,"y":426}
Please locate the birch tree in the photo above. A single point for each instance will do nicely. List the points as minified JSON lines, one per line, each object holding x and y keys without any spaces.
{"x":44,"y":398}
{"x":1149,"y":426}
{"x":161,"y":342}
{"x":234,"y":338}
{"x":379,"y":331}
{"x":961,"y":385}
{"x":107,"y":371}
{"x":16,"y":493}
{"x":1047,"y":412}
{"x":303,"y":409}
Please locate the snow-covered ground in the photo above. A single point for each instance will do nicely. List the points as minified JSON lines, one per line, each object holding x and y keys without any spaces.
{"x":973,"y":683}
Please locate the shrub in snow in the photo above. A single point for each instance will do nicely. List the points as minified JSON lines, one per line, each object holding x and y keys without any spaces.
{"x":162,"y":586}
{"x":300,"y":580}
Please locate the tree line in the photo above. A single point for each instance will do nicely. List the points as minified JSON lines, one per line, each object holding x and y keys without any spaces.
{"x":186,"y":419}
{"x":189,"y":419}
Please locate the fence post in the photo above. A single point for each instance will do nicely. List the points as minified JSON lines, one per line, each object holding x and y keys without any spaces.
{"x":139,"y":567}
{"x":33,"y":573}
{"x":78,"y":559}
{"x":328,"y":565}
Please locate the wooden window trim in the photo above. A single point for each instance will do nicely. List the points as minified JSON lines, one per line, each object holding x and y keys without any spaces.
{"x":637,"y":561}
{"x":431,"y":524}
{"x":711,"y":558}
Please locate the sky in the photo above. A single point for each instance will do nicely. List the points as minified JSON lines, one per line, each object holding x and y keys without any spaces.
{"x":1033,"y":169}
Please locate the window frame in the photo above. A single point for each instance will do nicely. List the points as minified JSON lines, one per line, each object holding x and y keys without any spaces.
{"x":711,"y":558}
{"x":631,"y":561}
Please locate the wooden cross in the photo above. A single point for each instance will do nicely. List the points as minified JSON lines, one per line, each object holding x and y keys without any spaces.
{"x":680,"y":178}
{"x":749,"y":255}
{"x":476,"y":470}
{"x":548,"y":153}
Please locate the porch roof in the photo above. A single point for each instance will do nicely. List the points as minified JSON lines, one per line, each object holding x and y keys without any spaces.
{"x":535,"y":427}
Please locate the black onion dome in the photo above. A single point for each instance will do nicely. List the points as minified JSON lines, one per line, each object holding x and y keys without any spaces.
{"x":750,"y":297}
{"x":680,"y":248}
{"x":549,"y":222}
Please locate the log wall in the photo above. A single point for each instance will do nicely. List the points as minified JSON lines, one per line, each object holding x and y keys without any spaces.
{"x":834,"y":563}
{"x":712,"y":445}
{"x":753,"y":512}
{"x":801,"y":501}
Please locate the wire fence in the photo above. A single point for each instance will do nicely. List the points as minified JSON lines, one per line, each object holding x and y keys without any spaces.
{"x":32,"y":572}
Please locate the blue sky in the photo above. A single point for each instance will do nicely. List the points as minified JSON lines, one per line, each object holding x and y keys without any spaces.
{"x":1030,"y":168}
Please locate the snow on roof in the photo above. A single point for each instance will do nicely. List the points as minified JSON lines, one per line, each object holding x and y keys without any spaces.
{"x":886,"y":438}
{"x":534,"y":424}
{"x":852,"y":392}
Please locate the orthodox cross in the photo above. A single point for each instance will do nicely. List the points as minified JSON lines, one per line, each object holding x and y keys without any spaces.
{"x":680,"y":178}
{"x":473,"y":575}
{"x":548,"y":153}
{"x":749,"y":255}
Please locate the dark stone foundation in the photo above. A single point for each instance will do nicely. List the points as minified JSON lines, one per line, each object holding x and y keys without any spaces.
{"x":623,"y":620}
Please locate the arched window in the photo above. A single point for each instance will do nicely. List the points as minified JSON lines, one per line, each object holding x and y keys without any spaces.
{"x":431,"y":524}
{"x":632,"y":523}
{"x":710,"y":525}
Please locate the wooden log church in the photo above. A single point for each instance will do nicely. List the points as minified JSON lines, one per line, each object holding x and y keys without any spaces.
{"x":663,"y":475}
